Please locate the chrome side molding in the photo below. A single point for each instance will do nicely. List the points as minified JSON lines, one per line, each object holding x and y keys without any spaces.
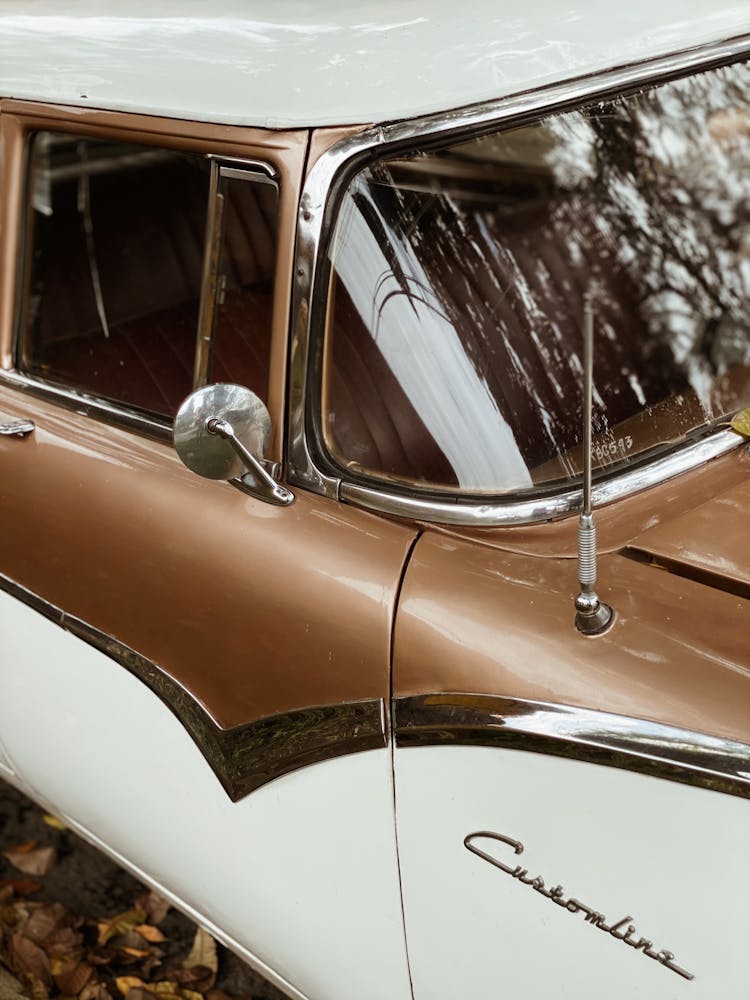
{"x":650,"y":748}
{"x":244,"y":757}
{"x":17,"y":428}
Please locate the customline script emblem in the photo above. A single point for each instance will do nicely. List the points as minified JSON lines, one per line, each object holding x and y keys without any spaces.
{"x":622,"y":930}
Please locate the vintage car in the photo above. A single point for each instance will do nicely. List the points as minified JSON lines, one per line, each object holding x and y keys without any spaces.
{"x":318,"y":331}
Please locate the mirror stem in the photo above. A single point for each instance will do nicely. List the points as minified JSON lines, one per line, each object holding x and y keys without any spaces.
{"x":267,"y":487}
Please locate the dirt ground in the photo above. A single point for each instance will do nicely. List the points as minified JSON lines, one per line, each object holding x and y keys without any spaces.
{"x":90,"y":890}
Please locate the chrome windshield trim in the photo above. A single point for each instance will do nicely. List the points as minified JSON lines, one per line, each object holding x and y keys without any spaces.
{"x":493,"y":514}
{"x":88,"y":406}
{"x":318,"y":205}
{"x":651,"y":748}
{"x":247,"y":756}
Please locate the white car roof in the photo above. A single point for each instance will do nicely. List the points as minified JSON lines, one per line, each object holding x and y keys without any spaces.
{"x":294,"y":63}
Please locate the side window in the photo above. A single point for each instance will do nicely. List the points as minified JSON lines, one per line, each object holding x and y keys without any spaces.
{"x":236,"y":315}
{"x":114,"y":271}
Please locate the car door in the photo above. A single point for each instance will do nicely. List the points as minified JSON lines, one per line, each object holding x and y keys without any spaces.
{"x":196,"y":679}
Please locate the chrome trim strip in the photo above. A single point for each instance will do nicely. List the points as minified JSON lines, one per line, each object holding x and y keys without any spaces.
{"x":651,"y":748}
{"x":491,"y":515}
{"x":241,"y":167}
{"x":111,"y":413}
{"x":244,"y":757}
{"x":31,"y":599}
{"x":322,"y":188}
{"x":204,"y":337}
{"x":17,"y":428}
{"x":88,"y":406}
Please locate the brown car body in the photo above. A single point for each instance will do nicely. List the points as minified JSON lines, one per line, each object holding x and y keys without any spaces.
{"x":364,"y":615}
{"x":676,"y":565}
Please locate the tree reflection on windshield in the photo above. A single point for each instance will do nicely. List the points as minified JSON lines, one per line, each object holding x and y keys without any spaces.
{"x":455,"y":321}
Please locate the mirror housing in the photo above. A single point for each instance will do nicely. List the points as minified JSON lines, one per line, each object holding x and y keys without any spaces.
{"x":221,"y":432}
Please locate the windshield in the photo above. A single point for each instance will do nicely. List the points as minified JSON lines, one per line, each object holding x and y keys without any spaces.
{"x":453,"y":355}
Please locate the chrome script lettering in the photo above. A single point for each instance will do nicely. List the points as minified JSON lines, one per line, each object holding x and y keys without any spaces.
{"x":623,"y":930}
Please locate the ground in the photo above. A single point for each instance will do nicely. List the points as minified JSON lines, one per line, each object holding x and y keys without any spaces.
{"x":57,"y":933}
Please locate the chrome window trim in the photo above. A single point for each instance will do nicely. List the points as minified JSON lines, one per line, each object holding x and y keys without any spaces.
{"x":87,"y":405}
{"x":158,"y":429}
{"x":247,"y":756}
{"x":316,"y":217}
{"x":241,"y":166}
{"x":603,"y":738}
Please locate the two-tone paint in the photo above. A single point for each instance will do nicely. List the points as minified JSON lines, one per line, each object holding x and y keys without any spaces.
{"x":186,"y":671}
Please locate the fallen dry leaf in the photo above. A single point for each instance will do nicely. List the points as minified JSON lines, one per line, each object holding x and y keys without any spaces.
{"x":95,"y":991}
{"x":54,"y":822}
{"x":147,"y":967}
{"x":741,"y":422}
{"x":129,"y":948}
{"x":72,"y":979}
{"x":156,"y":907}
{"x":35,"y":988}
{"x":29,"y":961}
{"x":138,"y":994}
{"x":43,"y":922}
{"x":24,"y":848}
{"x":166,"y":988}
{"x":190,"y":995}
{"x":203,"y":953}
{"x":127,"y":983}
{"x":20,"y":886}
{"x":135,"y":952}
{"x":32,"y":860}
{"x":100,"y":955}
{"x":197,"y":977}
{"x":150,"y":934}
{"x":120,"y":924}
{"x":64,"y":943}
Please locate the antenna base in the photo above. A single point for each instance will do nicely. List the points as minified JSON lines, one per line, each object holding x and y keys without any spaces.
{"x":592,"y":616}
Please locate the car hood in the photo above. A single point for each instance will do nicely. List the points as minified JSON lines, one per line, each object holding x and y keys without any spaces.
{"x":478,"y":616}
{"x":709,"y":544}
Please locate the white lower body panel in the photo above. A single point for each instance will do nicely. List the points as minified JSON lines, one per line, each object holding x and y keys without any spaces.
{"x":300,"y":876}
{"x":672,"y":859}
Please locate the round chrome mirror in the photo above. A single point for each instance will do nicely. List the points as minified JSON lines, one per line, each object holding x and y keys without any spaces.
{"x":203,"y":450}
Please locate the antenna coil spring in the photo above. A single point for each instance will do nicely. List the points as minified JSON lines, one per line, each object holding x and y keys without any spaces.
{"x":586,"y":551}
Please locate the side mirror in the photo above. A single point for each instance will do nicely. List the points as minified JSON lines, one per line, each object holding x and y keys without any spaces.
{"x":222,"y":432}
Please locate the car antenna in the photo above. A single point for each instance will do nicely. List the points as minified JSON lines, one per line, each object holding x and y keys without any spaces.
{"x":592,"y":615}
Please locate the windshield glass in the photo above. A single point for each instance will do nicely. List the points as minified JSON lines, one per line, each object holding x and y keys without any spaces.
{"x":453,"y":336}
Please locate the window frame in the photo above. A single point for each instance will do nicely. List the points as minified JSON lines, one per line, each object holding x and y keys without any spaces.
{"x":311,"y":466}
{"x":276,"y":157}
